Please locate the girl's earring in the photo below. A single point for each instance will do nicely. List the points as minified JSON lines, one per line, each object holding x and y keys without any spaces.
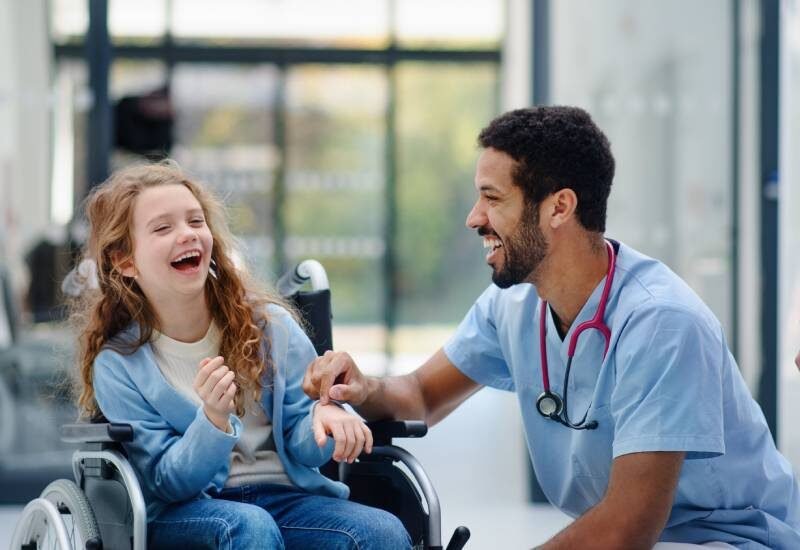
{"x":212,"y":269}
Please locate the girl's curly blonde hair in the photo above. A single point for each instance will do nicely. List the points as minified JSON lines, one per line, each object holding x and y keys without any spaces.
{"x":236,"y":304}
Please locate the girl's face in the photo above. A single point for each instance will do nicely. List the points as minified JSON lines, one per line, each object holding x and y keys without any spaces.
{"x":172,"y":245}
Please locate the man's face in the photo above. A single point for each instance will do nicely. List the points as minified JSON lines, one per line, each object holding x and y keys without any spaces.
{"x":508,"y":224}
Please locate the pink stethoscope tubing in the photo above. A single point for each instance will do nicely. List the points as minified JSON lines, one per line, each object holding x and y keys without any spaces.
{"x":549,"y":403}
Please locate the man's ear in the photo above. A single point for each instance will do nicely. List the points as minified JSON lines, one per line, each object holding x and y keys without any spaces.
{"x":124,"y":265}
{"x":563,"y":204}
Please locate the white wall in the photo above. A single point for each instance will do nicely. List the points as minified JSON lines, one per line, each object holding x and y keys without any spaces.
{"x":25,"y":141}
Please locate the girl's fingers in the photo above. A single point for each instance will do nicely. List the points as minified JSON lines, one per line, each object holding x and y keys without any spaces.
{"x":213,"y":379}
{"x":222,"y":386}
{"x":359,"y":442}
{"x":206,"y":368}
{"x":367,"y":438}
{"x":350,"y":441}
{"x":229,"y":398}
{"x":319,"y":431}
{"x":339,"y":437}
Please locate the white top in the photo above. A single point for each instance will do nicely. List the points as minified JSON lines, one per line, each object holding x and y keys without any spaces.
{"x":254,"y":459}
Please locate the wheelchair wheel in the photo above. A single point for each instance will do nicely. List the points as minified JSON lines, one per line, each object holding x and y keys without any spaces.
{"x":62,"y":520}
{"x":40,"y":526}
{"x":76,"y":512}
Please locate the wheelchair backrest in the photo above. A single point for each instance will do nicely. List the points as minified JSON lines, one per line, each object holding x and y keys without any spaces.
{"x":315,"y":309}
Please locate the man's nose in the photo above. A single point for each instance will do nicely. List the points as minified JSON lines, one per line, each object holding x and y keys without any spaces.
{"x":476,"y":217}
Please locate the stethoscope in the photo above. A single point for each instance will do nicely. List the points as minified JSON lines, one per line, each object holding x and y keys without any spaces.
{"x":549,"y":403}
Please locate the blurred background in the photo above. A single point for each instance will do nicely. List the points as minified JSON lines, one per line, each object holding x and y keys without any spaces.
{"x":345,"y":130}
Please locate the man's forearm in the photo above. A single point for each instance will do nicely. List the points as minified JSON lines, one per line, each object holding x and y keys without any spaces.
{"x":393,"y":397}
{"x":603,"y":528}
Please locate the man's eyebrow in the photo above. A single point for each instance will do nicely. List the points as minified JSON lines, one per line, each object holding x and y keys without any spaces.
{"x":489,"y":188}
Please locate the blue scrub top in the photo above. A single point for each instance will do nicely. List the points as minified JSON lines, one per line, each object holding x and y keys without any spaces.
{"x":668,"y":383}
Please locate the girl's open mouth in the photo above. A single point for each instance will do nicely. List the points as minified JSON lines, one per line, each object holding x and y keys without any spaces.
{"x":187,"y":262}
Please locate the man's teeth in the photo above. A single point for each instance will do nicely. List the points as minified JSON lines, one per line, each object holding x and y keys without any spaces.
{"x":491,"y":243}
{"x":192,"y":254}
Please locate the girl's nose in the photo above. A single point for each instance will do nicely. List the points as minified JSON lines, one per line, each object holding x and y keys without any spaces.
{"x":188,"y":235}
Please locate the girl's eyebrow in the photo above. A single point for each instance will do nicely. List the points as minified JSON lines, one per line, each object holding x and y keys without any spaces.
{"x":166,"y":216}
{"x":155,"y":219}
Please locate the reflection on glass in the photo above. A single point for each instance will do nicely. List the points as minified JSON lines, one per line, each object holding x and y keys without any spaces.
{"x":334,"y":210}
{"x":442,"y":270}
{"x":35,"y":399}
{"x":666,"y":111}
{"x":225,"y":136}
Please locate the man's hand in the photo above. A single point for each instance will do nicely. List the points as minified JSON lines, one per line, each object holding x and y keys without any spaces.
{"x":348,"y":431}
{"x":335,"y":376}
{"x":215,"y":386}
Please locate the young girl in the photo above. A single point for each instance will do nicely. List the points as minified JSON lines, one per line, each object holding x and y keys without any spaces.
{"x":178,"y":343}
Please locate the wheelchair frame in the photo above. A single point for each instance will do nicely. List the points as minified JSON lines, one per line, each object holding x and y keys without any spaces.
{"x":101,"y":447}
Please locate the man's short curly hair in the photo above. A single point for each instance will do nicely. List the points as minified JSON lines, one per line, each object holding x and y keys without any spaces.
{"x":556,"y":148}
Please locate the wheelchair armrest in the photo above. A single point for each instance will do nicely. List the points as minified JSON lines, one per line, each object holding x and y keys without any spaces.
{"x":96,"y":433}
{"x":384,"y":430}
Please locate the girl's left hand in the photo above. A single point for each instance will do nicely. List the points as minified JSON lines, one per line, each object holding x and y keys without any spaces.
{"x":348,"y":431}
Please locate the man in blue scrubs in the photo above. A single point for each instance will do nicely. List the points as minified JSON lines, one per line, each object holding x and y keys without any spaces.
{"x":672,"y":451}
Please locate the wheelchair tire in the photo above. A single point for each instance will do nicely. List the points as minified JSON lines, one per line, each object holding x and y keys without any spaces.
{"x":40,"y":526}
{"x":76,"y":512}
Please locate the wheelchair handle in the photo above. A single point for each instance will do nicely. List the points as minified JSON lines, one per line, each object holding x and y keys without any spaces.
{"x":306,"y":270}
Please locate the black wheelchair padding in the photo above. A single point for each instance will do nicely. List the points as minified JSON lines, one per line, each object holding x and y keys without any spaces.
{"x":384,"y":430}
{"x":99,"y":431}
{"x":380,"y":484}
{"x":315,"y":308}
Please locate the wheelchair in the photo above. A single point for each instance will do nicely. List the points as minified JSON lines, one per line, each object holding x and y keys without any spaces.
{"x":104,"y":507}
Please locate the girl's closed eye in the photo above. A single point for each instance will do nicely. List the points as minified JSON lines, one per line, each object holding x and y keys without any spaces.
{"x":160,"y":228}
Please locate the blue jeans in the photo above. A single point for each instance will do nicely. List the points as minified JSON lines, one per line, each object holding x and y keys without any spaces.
{"x":275,"y":516}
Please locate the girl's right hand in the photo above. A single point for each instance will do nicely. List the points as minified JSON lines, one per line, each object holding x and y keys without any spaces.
{"x":215,"y":386}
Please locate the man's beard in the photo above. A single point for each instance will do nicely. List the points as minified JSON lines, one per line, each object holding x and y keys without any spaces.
{"x":523,"y":251}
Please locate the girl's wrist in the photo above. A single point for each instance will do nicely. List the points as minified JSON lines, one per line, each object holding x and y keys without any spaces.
{"x":222,"y":423}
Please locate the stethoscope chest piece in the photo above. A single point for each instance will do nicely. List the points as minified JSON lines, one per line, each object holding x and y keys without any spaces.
{"x":549,"y":404}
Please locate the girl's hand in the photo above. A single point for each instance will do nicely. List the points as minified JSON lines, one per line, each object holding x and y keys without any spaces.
{"x":215,"y":386}
{"x":348,"y":431}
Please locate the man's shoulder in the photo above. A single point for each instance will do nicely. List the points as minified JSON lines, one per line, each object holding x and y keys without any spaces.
{"x":649,"y":286}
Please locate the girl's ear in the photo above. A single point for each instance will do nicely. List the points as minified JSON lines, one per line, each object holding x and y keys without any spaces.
{"x":124,"y":265}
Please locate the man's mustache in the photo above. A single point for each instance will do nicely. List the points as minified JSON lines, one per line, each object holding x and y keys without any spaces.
{"x":485,"y":231}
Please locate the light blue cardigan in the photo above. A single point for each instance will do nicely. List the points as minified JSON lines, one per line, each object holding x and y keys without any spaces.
{"x":176,"y":452}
